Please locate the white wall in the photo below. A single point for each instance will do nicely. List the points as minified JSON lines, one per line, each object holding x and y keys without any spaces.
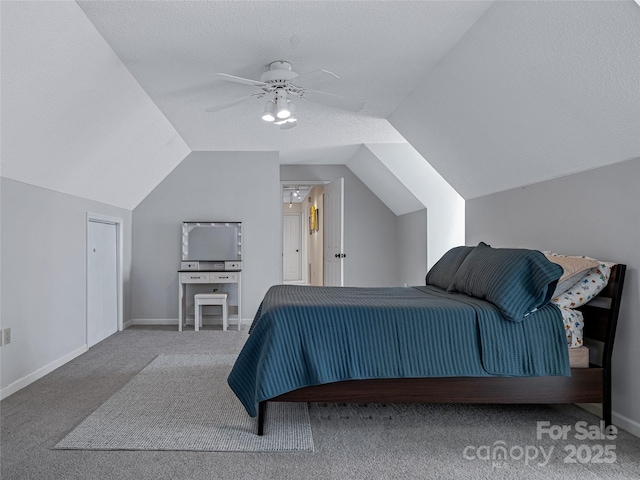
{"x":593,"y":213}
{"x":369,"y":226}
{"x":217,"y":186}
{"x":446,"y":207}
{"x":44,"y":278}
{"x":412,"y":247}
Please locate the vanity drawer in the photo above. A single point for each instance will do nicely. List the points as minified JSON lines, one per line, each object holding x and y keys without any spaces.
{"x":223,"y":277}
{"x":194,"y":277}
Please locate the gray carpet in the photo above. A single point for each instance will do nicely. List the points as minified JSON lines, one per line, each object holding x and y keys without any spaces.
{"x":355,"y":442}
{"x":183,"y":402}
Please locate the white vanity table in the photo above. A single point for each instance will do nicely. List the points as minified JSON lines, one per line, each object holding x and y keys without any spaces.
{"x":211,"y":261}
{"x":210,"y":278}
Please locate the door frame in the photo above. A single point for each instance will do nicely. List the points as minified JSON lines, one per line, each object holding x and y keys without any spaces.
{"x":305,"y":226}
{"x":119,"y":224}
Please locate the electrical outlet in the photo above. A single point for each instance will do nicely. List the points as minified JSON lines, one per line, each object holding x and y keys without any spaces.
{"x":7,"y":336}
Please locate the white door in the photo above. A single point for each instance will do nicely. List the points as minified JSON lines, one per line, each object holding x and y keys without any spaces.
{"x":333,"y":233}
{"x":102,"y":281}
{"x":291,"y":247}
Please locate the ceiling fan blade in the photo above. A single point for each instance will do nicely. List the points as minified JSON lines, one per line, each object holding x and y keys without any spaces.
{"x":245,"y":81}
{"x":314,"y":77}
{"x":331,"y":100}
{"x":237,"y":101}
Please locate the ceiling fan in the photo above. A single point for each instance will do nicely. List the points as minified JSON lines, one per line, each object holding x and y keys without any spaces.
{"x":279,"y":85}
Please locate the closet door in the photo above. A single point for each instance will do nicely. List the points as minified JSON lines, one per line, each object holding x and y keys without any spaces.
{"x":292,"y":247}
{"x":102,"y":281}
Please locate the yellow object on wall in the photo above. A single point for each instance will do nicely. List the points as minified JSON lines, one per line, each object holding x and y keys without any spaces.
{"x":314,"y":218}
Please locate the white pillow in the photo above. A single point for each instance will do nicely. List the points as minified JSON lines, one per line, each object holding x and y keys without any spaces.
{"x":587,"y":288}
{"x":573,"y":325}
{"x":575,"y":269}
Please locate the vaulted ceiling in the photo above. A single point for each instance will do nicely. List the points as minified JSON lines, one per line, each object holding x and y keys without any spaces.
{"x":380,"y":51}
{"x":103,"y":99}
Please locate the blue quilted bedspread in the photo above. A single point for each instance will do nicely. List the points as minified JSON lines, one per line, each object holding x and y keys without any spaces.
{"x":305,"y":336}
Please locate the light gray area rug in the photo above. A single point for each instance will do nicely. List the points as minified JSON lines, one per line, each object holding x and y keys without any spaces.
{"x":183,"y":402}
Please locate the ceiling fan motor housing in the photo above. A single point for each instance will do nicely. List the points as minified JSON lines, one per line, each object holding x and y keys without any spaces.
{"x":279,"y":73}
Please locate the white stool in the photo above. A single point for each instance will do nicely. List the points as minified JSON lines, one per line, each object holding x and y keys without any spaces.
{"x":201,"y":299}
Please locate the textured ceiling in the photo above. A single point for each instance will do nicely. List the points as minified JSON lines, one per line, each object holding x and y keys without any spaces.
{"x":534,"y":91}
{"x":381,"y":51}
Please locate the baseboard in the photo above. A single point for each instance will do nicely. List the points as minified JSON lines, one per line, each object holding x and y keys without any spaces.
{"x":626,"y":423}
{"x":41,"y":372}
{"x":174,"y":321}
{"x":153,"y":321}
{"x":618,"y":420}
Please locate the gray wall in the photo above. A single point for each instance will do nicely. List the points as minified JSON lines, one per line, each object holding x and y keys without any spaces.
{"x":370,"y":238}
{"x":44,"y":275}
{"x":593,"y":213}
{"x":412,"y":247}
{"x":233,"y":186}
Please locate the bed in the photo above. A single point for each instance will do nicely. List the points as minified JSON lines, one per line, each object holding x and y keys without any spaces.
{"x":485,"y":329}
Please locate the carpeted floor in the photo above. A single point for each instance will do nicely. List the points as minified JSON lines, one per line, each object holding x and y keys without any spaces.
{"x":351,"y":441}
{"x":183,"y":402}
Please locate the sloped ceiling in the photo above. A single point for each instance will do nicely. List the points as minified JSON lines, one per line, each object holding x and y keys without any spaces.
{"x":376,"y":175}
{"x":446,"y":208}
{"x":533,"y":91}
{"x":102,"y":99}
{"x":74,"y":120}
{"x":380,"y":50}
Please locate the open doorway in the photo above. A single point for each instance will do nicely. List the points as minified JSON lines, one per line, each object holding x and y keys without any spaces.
{"x":313,"y":233}
{"x":303,"y":233}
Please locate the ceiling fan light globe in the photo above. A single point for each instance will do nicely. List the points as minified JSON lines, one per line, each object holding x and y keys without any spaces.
{"x":283,"y":113}
{"x":282,"y":107}
{"x":269,"y":111}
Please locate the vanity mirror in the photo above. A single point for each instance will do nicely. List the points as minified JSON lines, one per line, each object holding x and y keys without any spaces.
{"x":212,"y":241}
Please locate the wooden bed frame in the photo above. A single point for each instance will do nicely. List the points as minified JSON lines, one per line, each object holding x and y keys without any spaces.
{"x":585,"y":385}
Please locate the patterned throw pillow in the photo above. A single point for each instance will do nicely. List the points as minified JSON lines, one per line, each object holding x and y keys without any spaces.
{"x":575,"y":269}
{"x":587,"y":288}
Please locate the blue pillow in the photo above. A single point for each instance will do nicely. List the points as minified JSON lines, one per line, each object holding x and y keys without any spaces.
{"x":442,"y":273}
{"x":517,"y":281}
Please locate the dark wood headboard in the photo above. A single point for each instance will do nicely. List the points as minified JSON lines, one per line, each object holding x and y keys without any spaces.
{"x":601,"y":313}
